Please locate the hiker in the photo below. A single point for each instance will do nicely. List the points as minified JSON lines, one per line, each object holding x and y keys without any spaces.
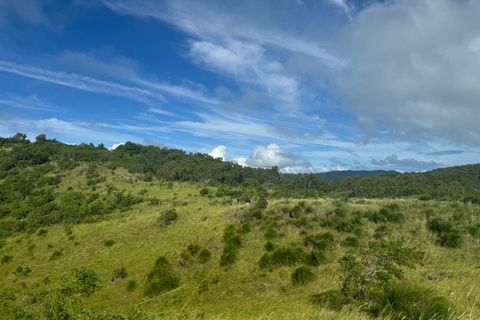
{"x":248,"y":200}
{"x":238,"y":199}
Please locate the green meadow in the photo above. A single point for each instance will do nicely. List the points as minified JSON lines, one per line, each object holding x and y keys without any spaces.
{"x":96,"y":241}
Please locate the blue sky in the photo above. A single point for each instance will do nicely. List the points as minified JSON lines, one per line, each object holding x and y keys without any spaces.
{"x":306,"y":85}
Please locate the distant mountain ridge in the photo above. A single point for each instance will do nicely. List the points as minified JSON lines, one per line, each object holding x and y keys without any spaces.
{"x":341,"y":175}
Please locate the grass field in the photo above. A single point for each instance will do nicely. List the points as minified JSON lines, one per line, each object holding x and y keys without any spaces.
{"x":134,"y":240}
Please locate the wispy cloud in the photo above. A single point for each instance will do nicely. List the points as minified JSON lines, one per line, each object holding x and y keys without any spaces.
{"x":80,"y":82}
{"x":207,"y":21}
{"x":32,"y":102}
{"x":124,"y":68}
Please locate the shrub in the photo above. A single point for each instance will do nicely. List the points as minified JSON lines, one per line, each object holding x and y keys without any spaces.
{"x":131,"y":285}
{"x":42,"y":232}
{"x":204,"y":256}
{"x":271,"y":234}
{"x":302,"y":275}
{"x":269,"y":246}
{"x":203,"y":192}
{"x":6,"y":259}
{"x":56,"y":255}
{"x":81,"y":281}
{"x":120,"y":273}
{"x":108,"y":243}
{"x":229,"y":257}
{"x":193,"y":249}
{"x":167,"y":217}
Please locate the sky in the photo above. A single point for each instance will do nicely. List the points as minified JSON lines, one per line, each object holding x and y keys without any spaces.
{"x":305,"y":85}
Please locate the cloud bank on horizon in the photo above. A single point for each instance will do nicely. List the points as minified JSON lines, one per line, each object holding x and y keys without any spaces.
{"x":307,"y":86}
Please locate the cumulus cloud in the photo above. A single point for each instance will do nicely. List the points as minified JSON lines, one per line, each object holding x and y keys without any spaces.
{"x":272,"y":155}
{"x":219,"y":152}
{"x":410,"y":163}
{"x":414,"y":66}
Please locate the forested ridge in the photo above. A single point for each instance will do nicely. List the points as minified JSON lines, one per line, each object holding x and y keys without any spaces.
{"x":18,"y":153}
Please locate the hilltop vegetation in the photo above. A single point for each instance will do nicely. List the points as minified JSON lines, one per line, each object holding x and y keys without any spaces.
{"x":145,"y":233}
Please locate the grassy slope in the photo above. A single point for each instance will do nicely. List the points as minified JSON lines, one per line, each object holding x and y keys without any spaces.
{"x":239,"y":291}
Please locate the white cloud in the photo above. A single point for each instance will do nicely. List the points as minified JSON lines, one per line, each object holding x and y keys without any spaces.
{"x":219,"y":152}
{"x":116,"y":145}
{"x":246,"y":62}
{"x":414,"y":68}
{"x":210,"y":20}
{"x":347,"y":8}
{"x":241,"y":161}
{"x":272,"y":155}
{"x":80,"y":82}
{"x":33,"y":102}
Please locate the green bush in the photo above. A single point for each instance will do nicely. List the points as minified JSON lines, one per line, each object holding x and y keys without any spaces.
{"x":81,"y":281}
{"x":56,"y":255}
{"x":161,"y":278}
{"x":108,"y":243}
{"x":302,"y":275}
{"x":269,"y":246}
{"x":203,"y":192}
{"x":6,"y":259}
{"x":204,"y":256}
{"x":120,"y":273}
{"x":193,"y":249}
{"x":131,"y":285}
{"x":167,"y":217}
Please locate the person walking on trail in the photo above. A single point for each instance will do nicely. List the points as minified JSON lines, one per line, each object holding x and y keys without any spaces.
{"x":238,"y":199}
{"x":248,"y":200}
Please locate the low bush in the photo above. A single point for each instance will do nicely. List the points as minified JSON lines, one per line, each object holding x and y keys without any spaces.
{"x":204,"y":256}
{"x":167,"y":217}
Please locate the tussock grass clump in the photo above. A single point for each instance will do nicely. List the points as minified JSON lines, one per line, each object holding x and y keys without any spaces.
{"x":233,"y":243}
{"x":108,"y":243}
{"x":351,"y":242}
{"x":316,"y":258}
{"x":56,"y":255}
{"x":120,"y":273}
{"x":131,"y":285}
{"x":204,"y":256}
{"x":302,"y":275}
{"x":448,"y":235}
{"x":269,"y":246}
{"x":283,"y":256}
{"x":83,"y":281}
{"x":405,"y":301}
{"x":193,"y":249}
{"x":161,"y":278}
{"x":6,"y":258}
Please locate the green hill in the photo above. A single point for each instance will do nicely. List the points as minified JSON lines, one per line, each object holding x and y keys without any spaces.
{"x":87,"y":233}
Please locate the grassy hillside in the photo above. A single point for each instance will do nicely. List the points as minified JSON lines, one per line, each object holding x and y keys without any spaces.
{"x":254,"y":252}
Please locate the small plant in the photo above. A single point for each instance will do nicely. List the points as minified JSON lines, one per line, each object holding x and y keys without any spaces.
{"x":316,"y":258}
{"x":203,"y":192}
{"x":23,"y":271}
{"x":42,"y":232}
{"x":167,"y":217}
{"x":131,"y":285}
{"x":269,"y":246}
{"x":56,"y":255}
{"x":302,"y":275}
{"x":120,"y":273}
{"x":68,"y":229}
{"x":204,"y":256}
{"x":6,"y":259}
{"x":193,"y":249}
{"x":108,"y":243}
